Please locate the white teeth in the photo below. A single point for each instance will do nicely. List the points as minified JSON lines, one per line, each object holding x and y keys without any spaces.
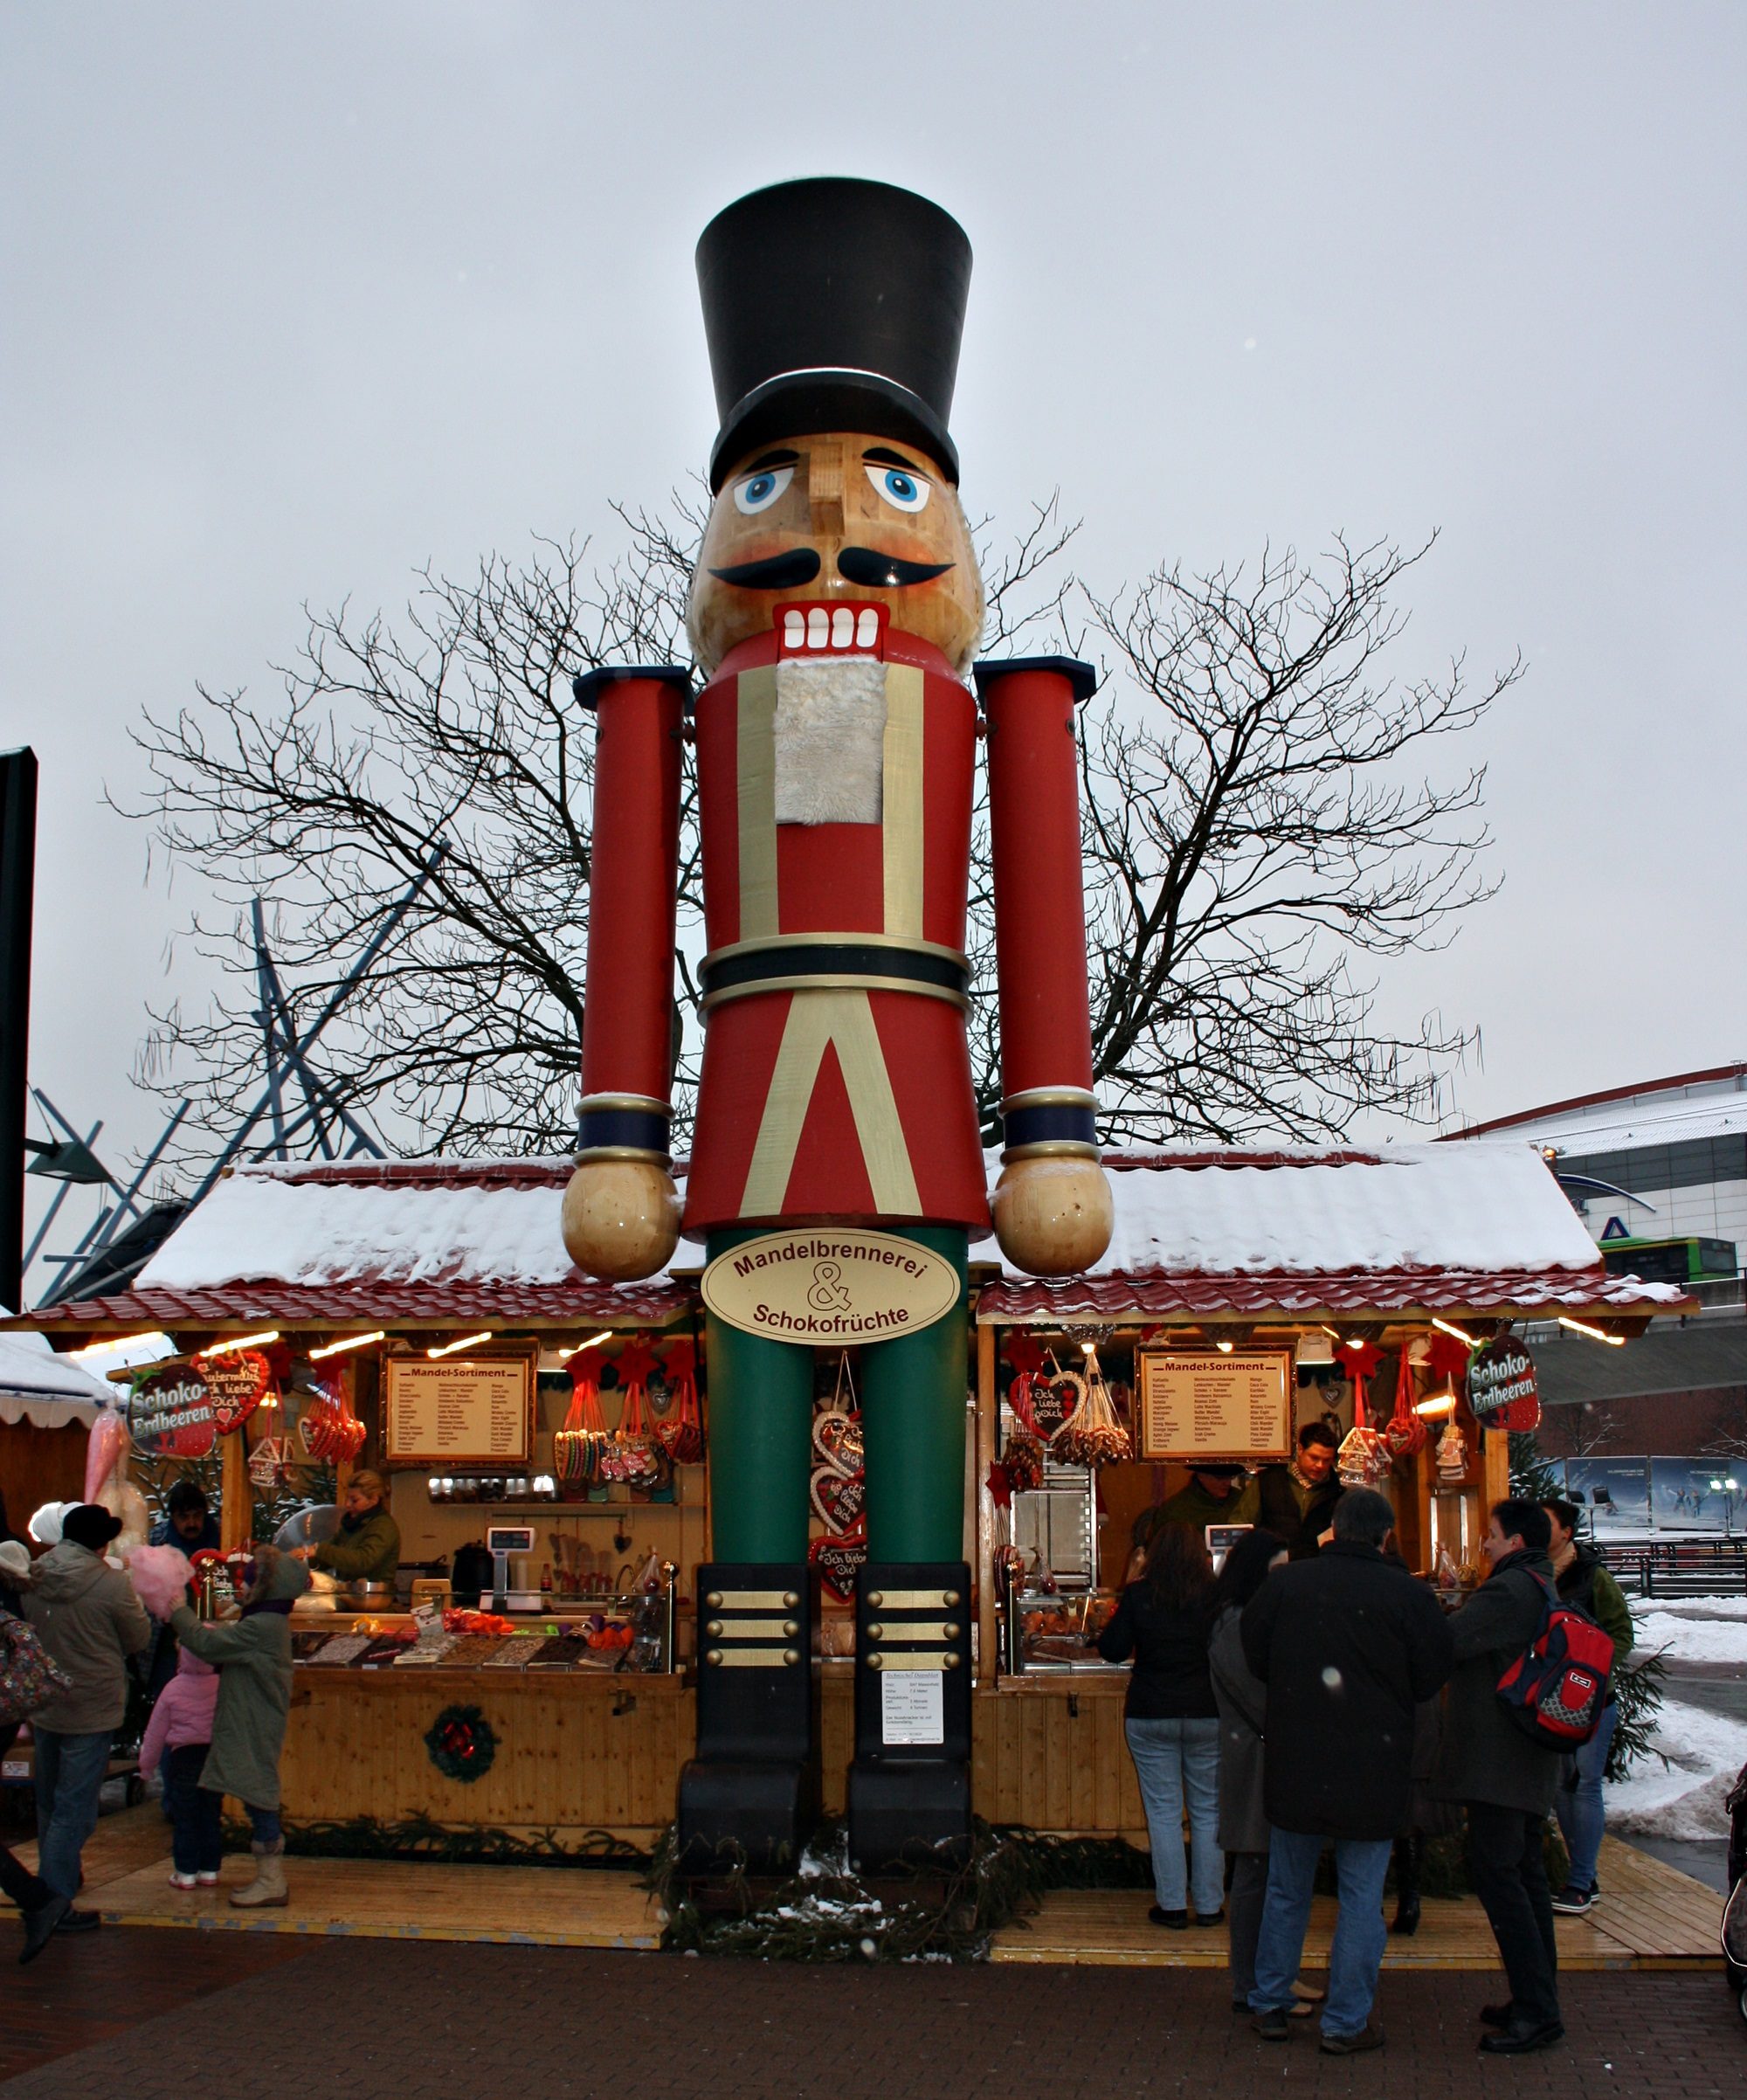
{"x":867,"y":627}
{"x":842,"y":628}
{"x":794,"y":630}
{"x":818,"y":628}
{"x":836,"y":629}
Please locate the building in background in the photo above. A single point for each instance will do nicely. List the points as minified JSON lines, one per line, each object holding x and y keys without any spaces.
{"x":1658,"y":1171}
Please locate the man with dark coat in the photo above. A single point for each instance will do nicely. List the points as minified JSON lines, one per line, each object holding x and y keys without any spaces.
{"x":1296,"y":1502}
{"x":1504,"y":1779}
{"x":1348,"y":1645}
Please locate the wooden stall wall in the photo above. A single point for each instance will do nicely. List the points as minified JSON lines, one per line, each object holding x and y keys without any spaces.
{"x":39,"y":1465}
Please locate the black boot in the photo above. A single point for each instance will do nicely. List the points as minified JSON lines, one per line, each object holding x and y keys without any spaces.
{"x":747,"y":1795}
{"x":909,"y":1787}
{"x":1410,"y":1854}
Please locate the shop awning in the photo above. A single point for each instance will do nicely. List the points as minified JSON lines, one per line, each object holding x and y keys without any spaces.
{"x":44,"y":1389}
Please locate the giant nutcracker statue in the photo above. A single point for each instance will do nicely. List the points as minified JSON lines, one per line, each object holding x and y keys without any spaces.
{"x":837,"y":1171}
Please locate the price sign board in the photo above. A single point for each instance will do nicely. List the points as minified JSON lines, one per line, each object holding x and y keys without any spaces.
{"x":1197,"y":1403}
{"x":459,"y":1411}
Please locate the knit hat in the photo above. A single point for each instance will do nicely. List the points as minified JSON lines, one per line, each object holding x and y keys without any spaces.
{"x":14,"y":1559}
{"x":90,"y":1525}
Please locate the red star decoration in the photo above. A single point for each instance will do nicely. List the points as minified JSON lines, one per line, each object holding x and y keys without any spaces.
{"x":999,"y":1486}
{"x":634,"y":1362}
{"x":1023,"y":1353}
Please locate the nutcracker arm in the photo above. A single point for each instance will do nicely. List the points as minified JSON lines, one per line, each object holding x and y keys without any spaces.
{"x":1053,"y":1210}
{"x":621,"y":1213}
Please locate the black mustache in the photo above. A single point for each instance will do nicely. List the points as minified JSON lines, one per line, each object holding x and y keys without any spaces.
{"x":885,"y":571}
{"x":781,"y":572}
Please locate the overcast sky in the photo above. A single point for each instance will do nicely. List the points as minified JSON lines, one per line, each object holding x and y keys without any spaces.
{"x":299,"y":297}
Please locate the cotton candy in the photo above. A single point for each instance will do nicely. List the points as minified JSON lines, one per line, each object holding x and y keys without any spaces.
{"x":159,"y":1575}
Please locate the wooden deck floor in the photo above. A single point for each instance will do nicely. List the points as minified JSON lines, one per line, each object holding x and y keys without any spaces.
{"x":1650,"y":1918}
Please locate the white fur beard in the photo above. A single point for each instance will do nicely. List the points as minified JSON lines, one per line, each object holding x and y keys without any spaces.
{"x":831,"y":740}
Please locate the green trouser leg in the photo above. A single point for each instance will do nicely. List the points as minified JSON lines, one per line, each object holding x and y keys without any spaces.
{"x":760,"y":1405}
{"x":913,"y":1408}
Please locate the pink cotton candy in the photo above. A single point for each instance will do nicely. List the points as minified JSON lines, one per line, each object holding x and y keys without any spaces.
{"x":159,"y":1575}
{"x":107,"y":1442}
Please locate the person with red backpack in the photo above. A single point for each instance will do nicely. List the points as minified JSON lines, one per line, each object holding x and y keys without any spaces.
{"x":1504,"y":1777}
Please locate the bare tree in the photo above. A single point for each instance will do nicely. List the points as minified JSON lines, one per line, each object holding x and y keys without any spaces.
{"x":1247,"y":835}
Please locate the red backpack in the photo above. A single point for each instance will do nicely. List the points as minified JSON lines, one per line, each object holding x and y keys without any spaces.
{"x":1556,"y":1690}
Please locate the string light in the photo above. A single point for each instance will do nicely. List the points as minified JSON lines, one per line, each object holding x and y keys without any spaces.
{"x":1224,"y":1348}
{"x":237,"y":1341}
{"x":333,"y":1349}
{"x":1595,"y":1334}
{"x":1445,"y":1327}
{"x":466,"y":1342}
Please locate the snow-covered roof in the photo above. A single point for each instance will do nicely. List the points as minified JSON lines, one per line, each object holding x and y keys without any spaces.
{"x":428,"y":1241}
{"x":40,"y":1387}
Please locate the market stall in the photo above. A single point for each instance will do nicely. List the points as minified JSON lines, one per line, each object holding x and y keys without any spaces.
{"x":415,"y":1318}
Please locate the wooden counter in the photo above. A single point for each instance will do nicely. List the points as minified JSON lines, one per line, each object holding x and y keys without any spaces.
{"x":579,"y":1752}
{"x":587,"y":1751}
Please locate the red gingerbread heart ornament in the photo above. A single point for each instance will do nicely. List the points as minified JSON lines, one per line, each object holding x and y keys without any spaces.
{"x":837,"y":1560}
{"x":236,"y":1384}
{"x":839,"y":1498}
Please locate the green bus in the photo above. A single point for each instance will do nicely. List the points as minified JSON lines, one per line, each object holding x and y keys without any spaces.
{"x":1690,"y":1260}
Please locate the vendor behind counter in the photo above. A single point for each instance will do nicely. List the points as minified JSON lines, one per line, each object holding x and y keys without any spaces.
{"x":367,"y":1546}
{"x":1217,"y":1494}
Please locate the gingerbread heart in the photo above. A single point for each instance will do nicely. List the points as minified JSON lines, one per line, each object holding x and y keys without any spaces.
{"x":1055,"y":1401}
{"x":837,"y":1560}
{"x":237,"y":1384}
{"x":837,"y":1438}
{"x":839,"y":1498}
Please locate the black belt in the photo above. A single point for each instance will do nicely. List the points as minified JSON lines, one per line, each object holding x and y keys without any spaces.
{"x":830,"y":963}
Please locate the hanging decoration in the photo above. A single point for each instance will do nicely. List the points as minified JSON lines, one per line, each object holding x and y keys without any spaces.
{"x":680,"y":1430}
{"x":170,"y":1415}
{"x":1446,"y":1356}
{"x":1363,"y":1458}
{"x":838,"y":1487}
{"x":633,"y":1457}
{"x":1055,"y":1400}
{"x":1359,"y":1358}
{"x":330,"y":1429}
{"x":268,"y":1462}
{"x":1502,"y":1388}
{"x":1092,"y":1434}
{"x":1024,"y":1355}
{"x":579,"y":1447}
{"x":462,"y":1744}
{"x":1453,"y":1455}
{"x":236,"y":1384}
{"x":1406,"y":1431}
{"x":837,"y":1561}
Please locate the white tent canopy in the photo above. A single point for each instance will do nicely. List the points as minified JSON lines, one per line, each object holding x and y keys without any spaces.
{"x":38,"y":1387}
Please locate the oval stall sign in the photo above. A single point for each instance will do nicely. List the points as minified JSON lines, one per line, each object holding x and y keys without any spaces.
{"x":1501,"y":1385}
{"x":836,"y":1284}
{"x":170,"y":1415}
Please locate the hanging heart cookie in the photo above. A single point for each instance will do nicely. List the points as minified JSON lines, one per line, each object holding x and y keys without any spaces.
{"x":839,"y":1498}
{"x":837,"y":1438}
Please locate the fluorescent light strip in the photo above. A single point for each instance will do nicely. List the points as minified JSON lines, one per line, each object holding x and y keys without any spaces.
{"x":593,"y":1342}
{"x":1443,"y":1403}
{"x":1595,"y":1334}
{"x":466,"y":1341}
{"x":333,"y":1349}
{"x":230,"y":1348}
{"x":1444,"y":1328}
{"x":108,"y":1348}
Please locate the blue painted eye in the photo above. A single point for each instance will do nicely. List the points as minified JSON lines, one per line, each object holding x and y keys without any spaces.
{"x":758,"y":492}
{"x":902,"y":491}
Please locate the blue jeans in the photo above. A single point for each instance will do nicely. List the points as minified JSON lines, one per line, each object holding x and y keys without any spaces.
{"x":1356,"y":1955}
{"x":1177,"y":1759}
{"x":265,"y":1827}
{"x":1580,"y":1816}
{"x":69,"y":1775}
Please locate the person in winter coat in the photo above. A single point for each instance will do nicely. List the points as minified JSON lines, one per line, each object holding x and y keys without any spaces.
{"x":1348,"y":1647}
{"x":1296,"y":1502}
{"x":177,"y":1735}
{"x":367,"y":1548}
{"x":38,"y":1906}
{"x":87,"y":1617}
{"x":1170,"y":1720}
{"x":188,"y":1525}
{"x":252,"y":1655}
{"x":1582,"y":1579}
{"x":1504,"y":1781}
{"x":1242,"y":1700}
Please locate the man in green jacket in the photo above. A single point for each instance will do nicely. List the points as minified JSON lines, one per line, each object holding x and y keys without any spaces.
{"x":1217,"y":1494}
{"x":1583,"y":1579}
{"x":367,"y":1546}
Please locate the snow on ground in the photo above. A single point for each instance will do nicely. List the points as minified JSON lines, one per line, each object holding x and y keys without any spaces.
{"x":1682,"y":1799}
{"x":1692,"y":1607}
{"x":1691,"y":1639}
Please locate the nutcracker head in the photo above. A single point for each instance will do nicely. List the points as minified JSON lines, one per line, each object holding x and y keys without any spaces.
{"x":833,"y":310}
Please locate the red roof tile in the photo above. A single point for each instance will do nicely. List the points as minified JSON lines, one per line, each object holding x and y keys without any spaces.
{"x":376,"y":1304}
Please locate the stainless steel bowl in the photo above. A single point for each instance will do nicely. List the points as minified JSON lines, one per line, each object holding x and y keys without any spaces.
{"x":370,"y":1596}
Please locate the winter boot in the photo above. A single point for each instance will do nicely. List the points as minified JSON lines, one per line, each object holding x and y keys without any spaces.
{"x":268,"y":1890}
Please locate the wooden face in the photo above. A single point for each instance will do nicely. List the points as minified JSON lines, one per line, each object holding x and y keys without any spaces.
{"x":843,"y":517}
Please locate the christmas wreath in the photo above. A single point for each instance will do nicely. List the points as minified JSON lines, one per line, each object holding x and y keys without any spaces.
{"x":462,"y":1743}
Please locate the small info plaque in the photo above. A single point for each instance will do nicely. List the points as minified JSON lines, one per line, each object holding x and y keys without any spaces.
{"x":1199,"y":1404}
{"x":911,"y":1707}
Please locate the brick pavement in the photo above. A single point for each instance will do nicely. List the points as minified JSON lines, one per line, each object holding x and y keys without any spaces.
{"x":448,"y":2022}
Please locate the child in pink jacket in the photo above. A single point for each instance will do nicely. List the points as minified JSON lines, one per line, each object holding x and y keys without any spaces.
{"x":182,"y":1722}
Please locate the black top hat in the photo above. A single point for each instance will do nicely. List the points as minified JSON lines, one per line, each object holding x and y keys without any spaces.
{"x":834,"y":304}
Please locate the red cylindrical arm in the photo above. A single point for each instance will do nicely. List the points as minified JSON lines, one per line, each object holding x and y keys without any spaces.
{"x":1047,"y":1104}
{"x":628,"y":990}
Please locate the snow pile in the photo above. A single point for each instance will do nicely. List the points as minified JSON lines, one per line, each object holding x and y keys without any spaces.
{"x":1693,"y":1639}
{"x":1475,"y":1207}
{"x":1684,"y":1798}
